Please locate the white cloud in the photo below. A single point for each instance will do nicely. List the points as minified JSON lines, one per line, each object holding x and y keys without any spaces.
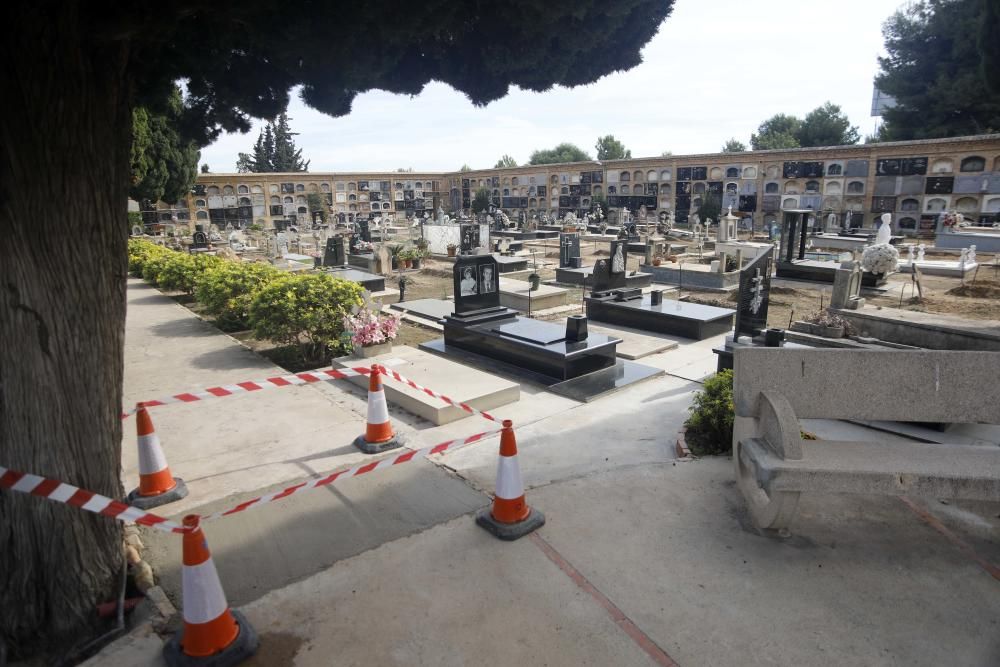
{"x":714,"y":71}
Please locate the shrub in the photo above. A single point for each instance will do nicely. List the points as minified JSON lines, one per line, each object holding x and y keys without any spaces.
{"x":307,"y":311}
{"x":141,"y":251}
{"x":154,"y":265}
{"x":826,"y":318}
{"x":710,"y":426}
{"x":226,"y":291}
{"x":181,"y":271}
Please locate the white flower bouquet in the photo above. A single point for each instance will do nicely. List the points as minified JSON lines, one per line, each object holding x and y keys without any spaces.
{"x":880,"y":258}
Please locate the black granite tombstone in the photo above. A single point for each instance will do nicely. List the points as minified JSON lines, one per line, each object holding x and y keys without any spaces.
{"x":469,"y":238}
{"x":364,"y":231}
{"x":477,"y":285}
{"x":569,"y":249}
{"x":755,"y":288}
{"x":335,"y":253}
{"x":199,"y":241}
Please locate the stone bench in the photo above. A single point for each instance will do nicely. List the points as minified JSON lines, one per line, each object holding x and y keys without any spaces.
{"x":774,"y":388}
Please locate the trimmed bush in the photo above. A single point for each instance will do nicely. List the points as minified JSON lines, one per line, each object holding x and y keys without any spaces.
{"x":141,"y":251}
{"x":181,"y":271}
{"x":227,"y":290}
{"x":306,"y":311}
{"x":710,"y":426}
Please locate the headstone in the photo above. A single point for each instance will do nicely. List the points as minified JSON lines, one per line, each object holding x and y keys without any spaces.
{"x":609,"y":274}
{"x":364,"y":231}
{"x":335,"y":254}
{"x":755,"y":289}
{"x":384,"y":259}
{"x":199,"y":240}
{"x":727,"y":227}
{"x":917,"y":278}
{"x":281,"y":244}
{"x":470,"y":238}
{"x":477,"y":284}
{"x":569,"y":247}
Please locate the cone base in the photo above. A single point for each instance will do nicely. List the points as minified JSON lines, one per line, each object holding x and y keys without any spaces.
{"x":179,"y":491}
{"x":509,"y":531}
{"x":378,"y":447}
{"x":241,"y":648}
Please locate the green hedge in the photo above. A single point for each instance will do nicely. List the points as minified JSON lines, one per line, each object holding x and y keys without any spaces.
{"x":227,"y":290}
{"x":307,"y":311}
{"x":710,"y":426}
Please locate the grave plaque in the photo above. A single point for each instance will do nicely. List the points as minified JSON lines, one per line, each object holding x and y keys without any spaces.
{"x":199,"y":240}
{"x":364,"y":231}
{"x":755,"y":288}
{"x":609,"y":274}
{"x":569,"y":249}
{"x":470,"y":238}
{"x":477,"y":285}
{"x":334,"y":254}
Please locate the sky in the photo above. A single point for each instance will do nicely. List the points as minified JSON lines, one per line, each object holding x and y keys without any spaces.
{"x":715,"y":70}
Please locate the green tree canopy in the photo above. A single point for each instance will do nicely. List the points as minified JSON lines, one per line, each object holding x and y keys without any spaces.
{"x":73,"y":73}
{"x":316,"y":203}
{"x":778,"y":131}
{"x":561,"y":153}
{"x":204,"y":168}
{"x":465,"y":167}
{"x":734,"y":146}
{"x":936,"y":73}
{"x":609,"y":148}
{"x":274,"y":151}
{"x":505,"y":161}
{"x":827,"y":125}
{"x":164,"y":165}
{"x":481,"y":200}
{"x":711,"y":207}
{"x":989,"y":45}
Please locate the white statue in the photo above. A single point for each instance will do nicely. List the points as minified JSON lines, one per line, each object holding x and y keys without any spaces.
{"x":909,"y":253}
{"x":281,"y":244}
{"x":831,"y":221}
{"x":972,"y":254}
{"x":441,"y":217}
{"x":920,"y":252}
{"x":884,"y":233}
{"x":618,"y":261}
{"x":963,"y":258}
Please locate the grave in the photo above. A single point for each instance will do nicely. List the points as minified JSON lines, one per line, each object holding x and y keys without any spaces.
{"x":335,"y":253}
{"x":569,"y":251}
{"x":470,"y":239}
{"x":611,"y":300}
{"x":517,"y":294}
{"x":792,"y":262}
{"x":461,"y":383}
{"x":566,"y":359}
{"x":583,"y":276}
{"x":199,"y":241}
{"x":370,"y":281}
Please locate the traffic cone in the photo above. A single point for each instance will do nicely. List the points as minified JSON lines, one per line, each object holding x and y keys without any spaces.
{"x":378,"y":435}
{"x":510,"y":517}
{"x":156,"y":485}
{"x":213,"y":633}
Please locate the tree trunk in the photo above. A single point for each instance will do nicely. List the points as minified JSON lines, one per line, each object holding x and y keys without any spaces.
{"x":64,"y":155}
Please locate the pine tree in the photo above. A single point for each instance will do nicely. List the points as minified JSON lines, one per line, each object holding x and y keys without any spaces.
{"x":286,"y":157}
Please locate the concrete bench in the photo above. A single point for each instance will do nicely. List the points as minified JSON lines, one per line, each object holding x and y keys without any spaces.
{"x":774,"y":388}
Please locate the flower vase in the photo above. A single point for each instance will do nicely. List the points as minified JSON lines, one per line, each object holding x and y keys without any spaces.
{"x":369,"y":351}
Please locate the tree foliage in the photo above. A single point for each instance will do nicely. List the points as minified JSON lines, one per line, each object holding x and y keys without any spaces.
{"x":505,"y":161}
{"x":481,"y":201}
{"x":936,"y":73}
{"x":711,"y":207}
{"x":827,"y":125}
{"x":562,"y":153}
{"x":710,"y":426}
{"x":734,"y":146}
{"x":164,"y":165}
{"x":274,"y":151}
{"x":609,"y":148}
{"x":316,"y":202}
{"x":778,"y":131}
{"x":465,"y":167}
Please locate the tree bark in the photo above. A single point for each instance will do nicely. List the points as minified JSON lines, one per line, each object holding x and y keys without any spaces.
{"x":65,"y":128}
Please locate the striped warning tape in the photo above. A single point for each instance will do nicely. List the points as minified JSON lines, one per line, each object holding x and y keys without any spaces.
{"x":254,"y":385}
{"x":61,"y":492}
{"x":361,"y":469}
{"x":92,"y":502}
{"x":430,"y":392}
{"x":300,"y":379}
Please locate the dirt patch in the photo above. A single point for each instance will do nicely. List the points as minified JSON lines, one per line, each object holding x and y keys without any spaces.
{"x":276,"y":648}
{"x":981,"y":289}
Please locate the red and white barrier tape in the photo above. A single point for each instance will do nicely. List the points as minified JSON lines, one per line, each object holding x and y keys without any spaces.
{"x":93,"y":502}
{"x":86,"y":500}
{"x":430,"y":392}
{"x":356,"y":471}
{"x":311,"y":377}
{"x":254,"y":385}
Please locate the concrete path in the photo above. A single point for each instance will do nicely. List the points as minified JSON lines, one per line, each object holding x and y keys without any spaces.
{"x":644,"y":559}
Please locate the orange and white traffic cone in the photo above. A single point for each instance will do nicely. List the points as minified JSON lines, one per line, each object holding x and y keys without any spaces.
{"x":510,"y":517}
{"x":378,"y":435}
{"x":213,"y":633}
{"x":156,"y":485}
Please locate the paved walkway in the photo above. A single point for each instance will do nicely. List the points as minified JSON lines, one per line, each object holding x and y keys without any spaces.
{"x":644,"y":560}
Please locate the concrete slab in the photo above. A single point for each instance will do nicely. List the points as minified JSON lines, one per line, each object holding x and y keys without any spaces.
{"x":461,"y":383}
{"x":227,"y":445}
{"x":515,"y":294}
{"x":861,"y":582}
{"x":428,"y":309}
{"x":635,"y":344}
{"x":267,"y":548}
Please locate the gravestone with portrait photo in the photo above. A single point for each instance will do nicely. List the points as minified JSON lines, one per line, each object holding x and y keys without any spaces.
{"x":469,"y":238}
{"x":477,"y":283}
